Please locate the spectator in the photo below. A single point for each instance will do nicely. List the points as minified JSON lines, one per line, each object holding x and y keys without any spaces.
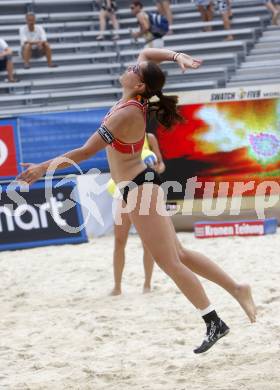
{"x":143,"y":19}
{"x":163,"y":7}
{"x":33,"y":42}
{"x":108,"y":11}
{"x":274,"y":7}
{"x":224,"y":8}
{"x":230,"y":10}
{"x":6,"y":60}
{"x":205,"y":7}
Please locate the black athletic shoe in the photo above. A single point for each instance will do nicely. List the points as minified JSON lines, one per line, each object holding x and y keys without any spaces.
{"x":215,"y":330}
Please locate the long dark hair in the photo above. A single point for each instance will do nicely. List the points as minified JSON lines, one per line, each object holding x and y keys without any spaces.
{"x":166,"y":107}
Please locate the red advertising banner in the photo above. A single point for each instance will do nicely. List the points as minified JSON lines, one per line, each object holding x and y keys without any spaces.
{"x":225,"y":142}
{"x":8,"y":160}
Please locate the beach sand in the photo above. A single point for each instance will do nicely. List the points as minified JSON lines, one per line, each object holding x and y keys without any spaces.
{"x":60,"y":329}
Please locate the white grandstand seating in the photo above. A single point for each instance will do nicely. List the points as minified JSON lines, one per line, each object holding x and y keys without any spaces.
{"x":88,"y":69}
{"x":262,"y":65}
{"x":81,"y":26}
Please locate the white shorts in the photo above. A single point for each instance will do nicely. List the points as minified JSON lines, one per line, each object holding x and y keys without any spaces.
{"x":222,"y":6}
{"x":155,"y":43}
{"x":203,"y":3}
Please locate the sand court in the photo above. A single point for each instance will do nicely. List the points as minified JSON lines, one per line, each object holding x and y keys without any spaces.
{"x":59,"y":328}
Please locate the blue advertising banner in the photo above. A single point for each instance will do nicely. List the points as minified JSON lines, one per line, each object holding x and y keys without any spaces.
{"x":44,"y":136}
{"x":46,"y":213}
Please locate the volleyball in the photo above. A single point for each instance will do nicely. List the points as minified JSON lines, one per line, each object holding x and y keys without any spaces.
{"x":111,"y":187}
{"x":149,"y":157}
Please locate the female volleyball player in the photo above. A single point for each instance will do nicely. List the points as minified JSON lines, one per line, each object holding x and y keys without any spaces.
{"x":122,"y":133}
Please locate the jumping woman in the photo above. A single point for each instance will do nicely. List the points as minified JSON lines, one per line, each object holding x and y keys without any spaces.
{"x":122,"y":133}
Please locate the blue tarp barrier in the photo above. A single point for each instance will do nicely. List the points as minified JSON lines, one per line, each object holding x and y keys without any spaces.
{"x":44,"y":136}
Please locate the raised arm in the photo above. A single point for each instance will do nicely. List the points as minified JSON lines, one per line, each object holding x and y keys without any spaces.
{"x":160,"y":55}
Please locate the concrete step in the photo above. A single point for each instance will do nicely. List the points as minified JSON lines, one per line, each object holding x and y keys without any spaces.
{"x":256,"y":76}
{"x":265,"y":63}
{"x":262,"y":57}
{"x":264,"y":45}
{"x":270,"y":38}
{"x":264,"y":51}
{"x":243,"y":83}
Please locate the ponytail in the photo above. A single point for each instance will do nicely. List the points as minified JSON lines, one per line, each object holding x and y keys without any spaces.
{"x":166,"y":107}
{"x":166,"y":110}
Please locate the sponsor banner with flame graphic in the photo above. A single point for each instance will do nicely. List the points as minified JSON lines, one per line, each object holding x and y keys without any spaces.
{"x":224,"y":142}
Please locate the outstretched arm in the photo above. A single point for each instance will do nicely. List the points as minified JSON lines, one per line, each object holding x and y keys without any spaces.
{"x":159,"y":55}
{"x":115,"y":123}
{"x":34,"y":172}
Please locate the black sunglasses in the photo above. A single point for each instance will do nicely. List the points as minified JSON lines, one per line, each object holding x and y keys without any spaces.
{"x":136,"y":70}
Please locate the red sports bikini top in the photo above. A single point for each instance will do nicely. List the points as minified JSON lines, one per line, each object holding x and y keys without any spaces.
{"x":108,"y":137}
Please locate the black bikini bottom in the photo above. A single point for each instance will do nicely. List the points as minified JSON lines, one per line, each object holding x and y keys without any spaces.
{"x":146,"y":176}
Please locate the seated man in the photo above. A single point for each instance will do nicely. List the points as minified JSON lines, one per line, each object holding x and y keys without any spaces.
{"x":6,"y":60}
{"x":146,"y":27}
{"x":33,"y":42}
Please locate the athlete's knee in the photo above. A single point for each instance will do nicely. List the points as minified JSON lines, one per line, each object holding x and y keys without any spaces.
{"x":175,"y":270}
{"x":147,"y":253}
{"x":120,"y":242}
{"x":171,"y":268}
{"x":181,"y":250}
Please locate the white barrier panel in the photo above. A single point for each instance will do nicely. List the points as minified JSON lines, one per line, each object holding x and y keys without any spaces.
{"x":230,"y":94}
{"x":96,"y":204}
{"x":249,"y":227}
